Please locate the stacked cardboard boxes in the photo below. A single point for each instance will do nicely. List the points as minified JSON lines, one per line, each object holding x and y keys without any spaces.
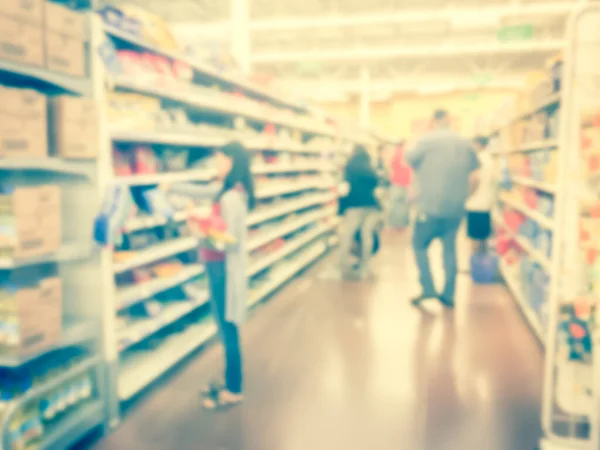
{"x":23,"y":123}
{"x":21,"y":36}
{"x":30,"y":221}
{"x":64,"y":40}
{"x":74,"y":127}
{"x":42,"y":33}
{"x":30,"y":312}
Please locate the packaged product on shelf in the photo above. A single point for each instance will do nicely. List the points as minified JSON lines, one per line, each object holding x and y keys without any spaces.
{"x":23,"y":123}
{"x":116,"y":18}
{"x":30,"y":221}
{"x":132,"y":111}
{"x":153,"y":27}
{"x":75,"y":127}
{"x":145,"y":160}
{"x":64,"y":39}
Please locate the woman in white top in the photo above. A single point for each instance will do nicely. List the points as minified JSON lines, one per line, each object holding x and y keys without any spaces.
{"x":480,"y":203}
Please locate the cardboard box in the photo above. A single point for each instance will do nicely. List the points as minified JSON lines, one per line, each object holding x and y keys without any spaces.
{"x":23,"y":123}
{"x":65,"y":54}
{"x":30,"y":11}
{"x":62,"y":20}
{"x":75,"y":127}
{"x":21,"y":42}
{"x":34,"y":313}
{"x":30,"y":222}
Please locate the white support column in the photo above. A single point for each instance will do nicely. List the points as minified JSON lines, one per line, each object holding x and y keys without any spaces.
{"x":240,"y":34}
{"x":365,"y":97}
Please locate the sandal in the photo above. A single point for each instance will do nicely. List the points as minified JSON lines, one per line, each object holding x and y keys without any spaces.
{"x":211,"y":387}
{"x":220,"y":399}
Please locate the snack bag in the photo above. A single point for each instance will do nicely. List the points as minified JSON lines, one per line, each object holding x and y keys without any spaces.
{"x":212,"y":231}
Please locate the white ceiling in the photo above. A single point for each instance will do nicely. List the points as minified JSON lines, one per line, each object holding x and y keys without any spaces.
{"x":318,"y":41}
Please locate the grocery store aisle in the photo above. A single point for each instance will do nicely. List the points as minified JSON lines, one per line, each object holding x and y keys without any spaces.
{"x":349,"y":366}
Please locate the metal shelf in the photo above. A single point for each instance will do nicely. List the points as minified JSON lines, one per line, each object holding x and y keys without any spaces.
{"x":72,"y":428}
{"x":69,"y":252}
{"x":288,"y":272}
{"x":203,"y":68}
{"x":140,"y":331}
{"x":156,"y":253}
{"x":50,"y":164}
{"x":186,"y":138}
{"x":46,"y":78}
{"x":289,"y":248}
{"x":531,"y":316}
{"x":139,"y":370}
{"x":168,"y":177}
{"x":73,"y":333}
{"x":130,"y":296}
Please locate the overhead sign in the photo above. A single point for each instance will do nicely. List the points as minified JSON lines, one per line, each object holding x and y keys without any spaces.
{"x":516,"y":33}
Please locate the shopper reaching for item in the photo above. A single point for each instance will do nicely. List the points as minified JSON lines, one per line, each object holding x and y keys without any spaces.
{"x":226,"y":265}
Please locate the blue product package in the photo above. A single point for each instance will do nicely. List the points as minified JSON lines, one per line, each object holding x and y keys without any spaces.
{"x":117,"y":207}
{"x":158,"y":203}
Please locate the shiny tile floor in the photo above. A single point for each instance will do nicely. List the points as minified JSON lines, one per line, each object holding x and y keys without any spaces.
{"x":352,"y":366}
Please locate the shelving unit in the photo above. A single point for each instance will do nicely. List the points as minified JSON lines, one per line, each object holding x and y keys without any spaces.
{"x":75,"y":352}
{"x":534,"y":228}
{"x":291,"y":227}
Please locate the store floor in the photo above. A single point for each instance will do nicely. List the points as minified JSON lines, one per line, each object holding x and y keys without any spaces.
{"x":352,"y":366}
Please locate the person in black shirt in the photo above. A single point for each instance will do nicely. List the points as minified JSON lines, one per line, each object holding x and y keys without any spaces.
{"x":360,"y":210}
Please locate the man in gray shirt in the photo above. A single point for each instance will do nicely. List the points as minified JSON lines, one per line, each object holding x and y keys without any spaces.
{"x":444,"y":165}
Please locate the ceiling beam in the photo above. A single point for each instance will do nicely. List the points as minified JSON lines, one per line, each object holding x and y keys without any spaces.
{"x":423,"y":51}
{"x":542,"y":9}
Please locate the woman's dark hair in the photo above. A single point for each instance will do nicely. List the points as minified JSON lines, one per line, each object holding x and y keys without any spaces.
{"x":240,"y":172}
{"x":360,"y":159}
{"x":481,"y":141}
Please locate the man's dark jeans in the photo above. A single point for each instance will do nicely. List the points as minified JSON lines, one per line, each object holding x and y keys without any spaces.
{"x":428,"y":228}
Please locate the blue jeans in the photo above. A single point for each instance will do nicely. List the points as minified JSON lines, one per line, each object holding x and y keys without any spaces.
{"x":428,"y":228}
{"x":228,"y":331}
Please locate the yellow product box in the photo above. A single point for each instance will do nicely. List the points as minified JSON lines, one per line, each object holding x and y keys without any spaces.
{"x":154,"y":28}
{"x":75,"y":127}
{"x":23,"y":123}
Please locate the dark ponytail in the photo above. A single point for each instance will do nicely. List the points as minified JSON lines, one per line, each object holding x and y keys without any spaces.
{"x":240,"y":172}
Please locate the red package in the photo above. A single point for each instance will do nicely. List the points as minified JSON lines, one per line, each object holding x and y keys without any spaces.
{"x":183,"y":71}
{"x":145,"y":160}
{"x":121,"y":163}
{"x":531,"y":198}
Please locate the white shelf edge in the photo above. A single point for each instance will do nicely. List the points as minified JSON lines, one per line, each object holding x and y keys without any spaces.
{"x":133,"y":378}
{"x":265,"y":238}
{"x":188,"y":138}
{"x":530,"y":315}
{"x":539,"y":185}
{"x":165,"y":318}
{"x":68,"y":252}
{"x":546,"y":222}
{"x":167,"y":177}
{"x":155,"y":253}
{"x":132,"y":295}
{"x":85,"y":168}
{"x":262,"y":216}
{"x":75,"y":85}
{"x":290,"y":247}
{"x":286,"y":188}
{"x":303,"y":261}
